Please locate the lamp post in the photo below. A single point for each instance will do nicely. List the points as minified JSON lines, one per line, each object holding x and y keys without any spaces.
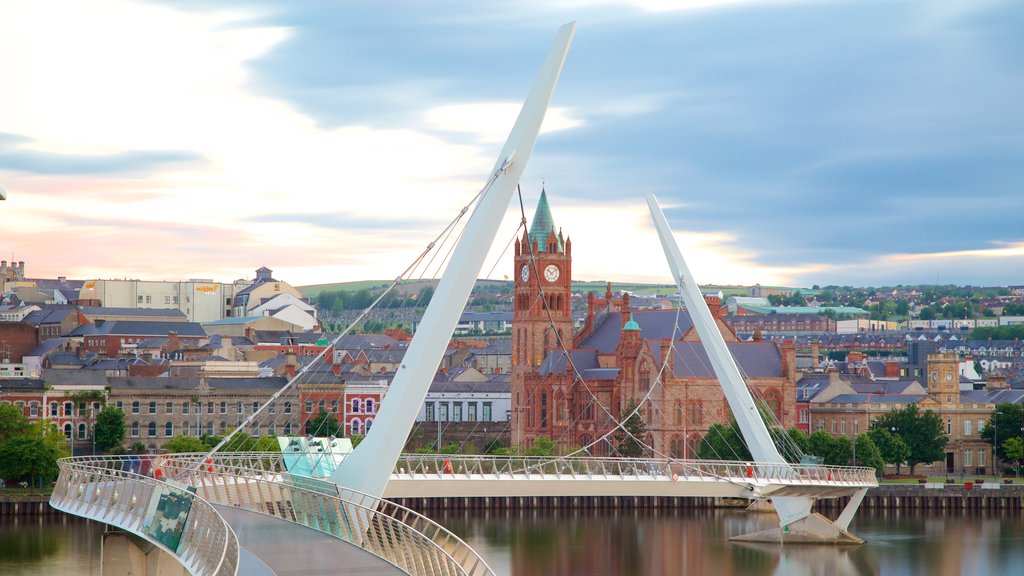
{"x":995,"y":446}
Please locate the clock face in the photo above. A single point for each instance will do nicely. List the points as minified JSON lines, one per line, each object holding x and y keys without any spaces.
{"x":949,"y":376}
{"x":935,"y":376}
{"x":551,"y":273}
{"x":525,"y":273}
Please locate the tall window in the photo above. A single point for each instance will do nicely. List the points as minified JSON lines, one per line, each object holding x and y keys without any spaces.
{"x":487,"y":412}
{"x":135,"y":407}
{"x":169,"y":408}
{"x":151,"y":429}
{"x":169,"y":429}
{"x":677,"y":417}
{"x":152,"y":407}
{"x":967,"y":427}
{"x":355,"y":406}
{"x":81,"y":431}
{"x":309,"y":406}
{"x":288,"y":410}
{"x":369,"y":408}
{"x":135,"y":429}
{"x":544,"y":410}
{"x":186,"y":407}
{"x":429,"y":411}
{"x":645,"y":378}
{"x":457,"y":412}
{"x":355,"y":426}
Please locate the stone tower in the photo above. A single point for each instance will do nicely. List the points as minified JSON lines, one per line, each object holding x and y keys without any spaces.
{"x":542,"y":305}
{"x":944,"y":378}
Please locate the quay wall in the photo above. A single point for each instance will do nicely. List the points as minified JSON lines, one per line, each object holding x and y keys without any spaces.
{"x":951,"y":497}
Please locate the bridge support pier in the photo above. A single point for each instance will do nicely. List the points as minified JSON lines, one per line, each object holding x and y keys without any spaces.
{"x":813,"y":529}
{"x":125,"y":553}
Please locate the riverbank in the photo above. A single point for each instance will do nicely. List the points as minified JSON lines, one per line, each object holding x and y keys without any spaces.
{"x":17,"y":502}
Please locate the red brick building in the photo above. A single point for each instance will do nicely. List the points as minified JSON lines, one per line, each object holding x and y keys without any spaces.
{"x":574,"y":397}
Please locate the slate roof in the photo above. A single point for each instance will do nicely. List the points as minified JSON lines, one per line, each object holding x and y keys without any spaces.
{"x":654,"y":325}
{"x":140,"y":328}
{"x":879,"y":398}
{"x":993,"y":396}
{"x":755,"y":360}
{"x":152,"y":312}
{"x":74,"y":377}
{"x":233,"y":320}
{"x":48,"y":316}
{"x":21,"y":384}
{"x":46,"y":346}
{"x":555,"y":362}
{"x":364,"y":342}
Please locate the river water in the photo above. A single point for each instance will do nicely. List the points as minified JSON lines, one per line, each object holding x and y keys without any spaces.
{"x":628,"y":542}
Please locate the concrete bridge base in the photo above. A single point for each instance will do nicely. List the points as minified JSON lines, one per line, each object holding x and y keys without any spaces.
{"x":814,"y":529}
{"x":125,"y":554}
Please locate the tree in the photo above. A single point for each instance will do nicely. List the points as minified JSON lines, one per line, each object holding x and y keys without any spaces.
{"x":723,"y":443}
{"x":542,"y":446}
{"x":109,"y":430}
{"x":30,"y":458}
{"x":1007,"y":420}
{"x":921,"y":431}
{"x":180,"y":444}
{"x":325,"y":424}
{"x":869,"y":455}
{"x":833,"y":451}
{"x":12,"y":421}
{"x":630,"y":442}
{"x":892,"y":449}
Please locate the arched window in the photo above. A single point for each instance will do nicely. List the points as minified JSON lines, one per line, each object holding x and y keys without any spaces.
{"x":287,"y":428}
{"x":169,"y":429}
{"x":67,"y":429}
{"x":693,"y":444}
{"x":645,"y":377}
{"x":369,"y":410}
{"x":81,"y":431}
{"x":585,"y":442}
{"x":135,"y":429}
{"x":355,"y":426}
{"x":369,"y":423}
{"x":677,"y":415}
{"x":675,"y":447}
{"x":355,"y":406}
{"x":152,"y":429}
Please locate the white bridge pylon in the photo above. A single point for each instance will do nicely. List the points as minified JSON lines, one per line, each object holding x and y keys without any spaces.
{"x":791,"y":509}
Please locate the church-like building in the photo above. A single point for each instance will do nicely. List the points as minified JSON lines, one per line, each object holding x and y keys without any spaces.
{"x":572,"y":387}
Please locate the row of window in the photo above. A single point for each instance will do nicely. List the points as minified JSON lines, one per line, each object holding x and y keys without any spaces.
{"x":211,"y":407}
{"x":457,"y":411}
{"x":56,"y":409}
{"x":358,"y":406}
{"x":149,"y":299}
{"x":168,"y":429}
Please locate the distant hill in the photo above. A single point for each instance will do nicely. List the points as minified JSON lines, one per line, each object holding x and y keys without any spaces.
{"x":584,"y":286}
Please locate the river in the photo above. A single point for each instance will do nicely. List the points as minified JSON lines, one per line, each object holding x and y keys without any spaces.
{"x":631,"y":542}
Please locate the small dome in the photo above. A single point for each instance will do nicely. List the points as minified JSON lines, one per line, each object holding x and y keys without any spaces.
{"x":631,"y":325}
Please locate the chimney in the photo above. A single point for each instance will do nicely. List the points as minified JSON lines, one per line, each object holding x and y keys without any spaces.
{"x":788,"y":352}
{"x":714,"y":305}
{"x":892,"y":369}
{"x":668,"y":357}
{"x":173,"y":343}
{"x":290,"y":363}
{"x":995,"y":381}
{"x":815,"y":354}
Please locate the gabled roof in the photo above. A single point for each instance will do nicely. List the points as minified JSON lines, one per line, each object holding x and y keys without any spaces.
{"x":755,"y":360}
{"x":555,"y":362}
{"x":140,"y":328}
{"x":151,"y":312}
{"x":654,"y":325}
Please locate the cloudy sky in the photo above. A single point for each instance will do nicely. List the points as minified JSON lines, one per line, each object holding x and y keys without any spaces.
{"x":792,"y":142}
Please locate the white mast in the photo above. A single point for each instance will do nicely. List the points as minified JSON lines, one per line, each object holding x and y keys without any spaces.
{"x":741,"y":403}
{"x":368,"y":468}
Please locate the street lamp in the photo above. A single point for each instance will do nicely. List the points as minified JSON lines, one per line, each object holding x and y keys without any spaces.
{"x":995,"y":446}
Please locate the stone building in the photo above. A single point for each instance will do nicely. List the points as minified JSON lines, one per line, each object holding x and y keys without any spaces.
{"x":572,"y":387}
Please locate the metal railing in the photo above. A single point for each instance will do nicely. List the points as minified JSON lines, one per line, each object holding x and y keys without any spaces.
{"x":600,"y":468}
{"x":171,"y":517}
{"x":259,"y":482}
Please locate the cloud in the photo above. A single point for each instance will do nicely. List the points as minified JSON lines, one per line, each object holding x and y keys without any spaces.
{"x":16,"y":154}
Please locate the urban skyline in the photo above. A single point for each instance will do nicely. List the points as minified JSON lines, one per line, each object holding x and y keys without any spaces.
{"x":796,"y":143}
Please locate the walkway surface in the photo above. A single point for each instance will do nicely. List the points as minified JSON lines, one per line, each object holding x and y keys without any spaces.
{"x":294,"y":550}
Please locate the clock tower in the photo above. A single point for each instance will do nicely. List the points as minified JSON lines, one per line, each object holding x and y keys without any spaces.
{"x":542,"y":304}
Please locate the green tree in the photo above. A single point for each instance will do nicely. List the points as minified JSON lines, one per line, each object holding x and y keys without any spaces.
{"x":833,"y":451}
{"x":869,"y":455}
{"x":29,"y":458}
{"x":723,"y":443}
{"x":921,"y":431}
{"x":1007,"y":420}
{"x":631,"y":441}
{"x":183,"y":443}
{"x":325,"y":424}
{"x":542,"y":446}
{"x":1014,"y":450}
{"x":109,"y":430}
{"x":892,"y":449}
{"x":492,"y":446}
{"x":12,"y":421}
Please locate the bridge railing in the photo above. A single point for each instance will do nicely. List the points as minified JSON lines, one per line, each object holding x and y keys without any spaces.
{"x":259,"y":482}
{"x":590,"y":467}
{"x":173,"y":518}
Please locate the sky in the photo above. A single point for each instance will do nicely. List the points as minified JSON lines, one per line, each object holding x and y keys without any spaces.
{"x":861,"y":142}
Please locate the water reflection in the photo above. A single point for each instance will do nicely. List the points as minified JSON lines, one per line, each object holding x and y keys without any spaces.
{"x":690,"y":541}
{"x":50,"y":545}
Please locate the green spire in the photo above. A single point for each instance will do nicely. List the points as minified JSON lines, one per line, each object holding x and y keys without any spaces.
{"x":543,"y":224}
{"x":631,"y":325}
